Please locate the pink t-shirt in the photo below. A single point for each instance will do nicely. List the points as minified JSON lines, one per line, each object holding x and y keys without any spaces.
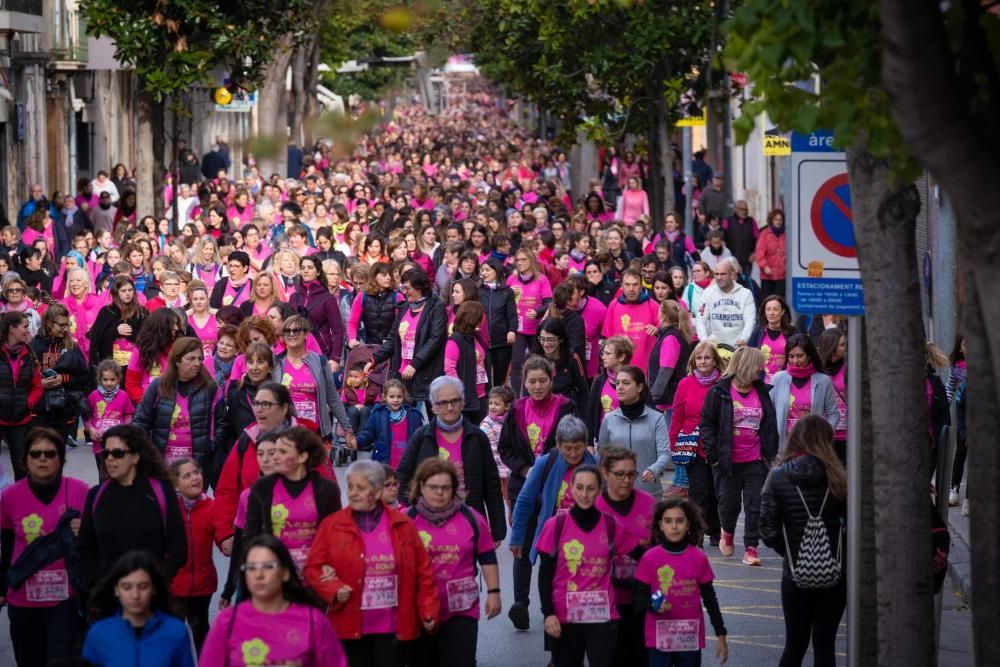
{"x":135,"y":366}
{"x":399,"y":439}
{"x":840,"y":393}
{"x":581,"y":588}
{"x":208,"y":334}
{"x":302,"y":386}
{"x":747,"y":415}
{"x":104,"y":414}
{"x":529,"y":296}
{"x":564,"y":498}
{"x":609,"y":397}
{"x":451,"y":450}
{"x":670,"y":352}
{"x":81,"y":318}
{"x":593,"y":314}
{"x":451,"y":359}
{"x":299,"y":635}
{"x":636,"y":525}
{"x":207,"y":276}
{"x":179,"y":443}
{"x":30,"y":518}
{"x":799,"y":403}
{"x":774,"y":355}
{"x":631,"y":319}
{"x":236,"y":295}
{"x":680,"y":626}
{"x":123,"y":351}
{"x":539,"y":419}
{"x":294,"y":520}
{"x":452,"y":553}
{"x":380,"y":588}
{"x":241,"y":509}
{"x":407,"y":338}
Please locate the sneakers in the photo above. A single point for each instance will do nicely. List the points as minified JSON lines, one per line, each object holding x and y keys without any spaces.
{"x":726,"y":544}
{"x":675,"y":491}
{"x":713,"y":540}
{"x":518,"y":615}
{"x":751,"y":557}
{"x":965,"y":507}
{"x":953,"y":497}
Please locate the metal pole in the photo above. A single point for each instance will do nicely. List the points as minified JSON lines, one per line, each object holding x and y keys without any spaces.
{"x":688,"y":193}
{"x":854,"y":356}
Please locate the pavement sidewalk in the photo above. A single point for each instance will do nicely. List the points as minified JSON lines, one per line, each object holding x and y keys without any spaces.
{"x":960,"y":557}
{"x":955,"y":639}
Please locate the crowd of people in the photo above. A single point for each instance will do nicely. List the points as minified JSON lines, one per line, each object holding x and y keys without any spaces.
{"x":496,"y":357}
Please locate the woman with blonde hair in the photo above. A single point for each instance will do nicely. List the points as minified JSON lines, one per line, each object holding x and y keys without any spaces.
{"x":206,"y":264}
{"x":740,"y":435}
{"x":285,"y":269}
{"x":532,"y":294}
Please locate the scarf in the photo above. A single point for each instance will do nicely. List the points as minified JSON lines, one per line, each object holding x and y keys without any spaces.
{"x":189,"y":503}
{"x":367,"y":521}
{"x":801,"y":372}
{"x":397,"y":416}
{"x":415,"y":306}
{"x":223,"y":369}
{"x":448,"y":428}
{"x":777,"y":231}
{"x":703,"y":283}
{"x":108,"y":396}
{"x":715,"y":252}
{"x":14,"y":351}
{"x":633,"y":410}
{"x":438,"y":515}
{"x":672,"y":236}
{"x":707,"y":380}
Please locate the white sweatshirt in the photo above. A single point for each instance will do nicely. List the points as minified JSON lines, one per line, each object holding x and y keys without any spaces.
{"x":726,"y":316}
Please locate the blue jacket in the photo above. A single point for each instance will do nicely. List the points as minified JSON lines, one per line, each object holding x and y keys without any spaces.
{"x":376,"y":434}
{"x":165,"y":642}
{"x":537,"y":486}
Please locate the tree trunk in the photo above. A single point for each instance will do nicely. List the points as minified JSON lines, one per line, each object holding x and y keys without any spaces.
{"x":159,"y":126}
{"x":885,"y":229}
{"x":297,"y":95}
{"x":956,"y":143}
{"x":145,"y":158}
{"x":270,"y":145}
{"x":661,"y":175}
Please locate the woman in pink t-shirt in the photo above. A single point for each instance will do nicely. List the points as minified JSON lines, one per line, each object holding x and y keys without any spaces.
{"x":532,"y":293}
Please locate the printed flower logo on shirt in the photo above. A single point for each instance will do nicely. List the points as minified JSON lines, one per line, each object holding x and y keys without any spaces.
{"x":573,"y":553}
{"x":286,"y":379}
{"x":279,"y":515}
{"x":175,"y":415}
{"x":666,"y":576}
{"x":443,"y":453}
{"x":32,"y":526}
{"x":404,"y":326}
{"x":154,"y":370}
{"x":255,"y":651}
{"x":534,"y":432}
{"x":626,"y":320}
{"x":101,"y":406}
{"x":563,"y":488}
{"x":766,"y":349}
{"x":517,"y":294}
{"x":227,"y":300}
{"x":606,"y":403}
{"x":425,"y":537}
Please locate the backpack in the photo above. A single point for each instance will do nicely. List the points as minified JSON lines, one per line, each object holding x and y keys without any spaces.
{"x":817,"y":568}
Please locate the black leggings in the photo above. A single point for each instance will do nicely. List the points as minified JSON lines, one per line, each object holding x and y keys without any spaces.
{"x":194,"y":610}
{"x":958,"y":469}
{"x":701,"y":489}
{"x":453,"y":645}
{"x":16,"y":437}
{"x":499,"y":364}
{"x":811,"y":614}
{"x":595,"y":640}
{"x":375,"y":651}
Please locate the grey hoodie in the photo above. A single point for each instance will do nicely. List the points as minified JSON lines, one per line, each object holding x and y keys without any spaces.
{"x":648,"y":436}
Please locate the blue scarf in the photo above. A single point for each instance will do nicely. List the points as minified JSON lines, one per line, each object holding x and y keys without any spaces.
{"x":449,"y":428}
{"x":222,"y":369}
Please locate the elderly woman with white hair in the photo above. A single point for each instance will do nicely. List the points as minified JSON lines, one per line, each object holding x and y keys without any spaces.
{"x":454,"y":438}
{"x":368,"y":563}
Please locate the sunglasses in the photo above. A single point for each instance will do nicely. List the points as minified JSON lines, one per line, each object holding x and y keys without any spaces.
{"x":114,"y":453}
{"x":39,"y":453}
{"x":294,"y":331}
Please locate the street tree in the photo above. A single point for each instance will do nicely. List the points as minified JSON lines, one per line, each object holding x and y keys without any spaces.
{"x":603,"y":63}
{"x":778,"y":47}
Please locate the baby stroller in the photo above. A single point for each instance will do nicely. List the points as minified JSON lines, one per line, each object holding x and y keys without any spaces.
{"x":360,"y":391}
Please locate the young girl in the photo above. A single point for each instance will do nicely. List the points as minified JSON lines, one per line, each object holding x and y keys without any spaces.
{"x":674,"y":581}
{"x":617,"y":352}
{"x":390,"y":490}
{"x":500,"y":400}
{"x":195,"y":583}
{"x":390,"y":425}
{"x":109,"y":406}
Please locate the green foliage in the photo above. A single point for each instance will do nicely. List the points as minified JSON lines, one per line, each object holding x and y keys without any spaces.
{"x":175,"y":44}
{"x":607,"y":61}
{"x":780,"y":45}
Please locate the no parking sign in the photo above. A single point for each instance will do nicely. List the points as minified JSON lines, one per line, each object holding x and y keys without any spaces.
{"x":823,"y":259}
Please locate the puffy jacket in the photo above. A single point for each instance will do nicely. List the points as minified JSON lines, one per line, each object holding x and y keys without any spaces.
{"x":428,"y":348}
{"x":501,"y":312}
{"x":165,"y":642}
{"x":515,"y":450}
{"x":376,"y":434}
{"x":780,"y":506}
{"x":21,"y":393}
{"x":647,"y":435}
{"x":717,"y":425}
{"x":238,"y":415}
{"x":338,"y":543}
{"x":663,"y":381}
{"x":154,"y":414}
{"x":198,"y":576}
{"x":378,"y":313}
{"x":482,"y":479}
{"x":323,"y":310}
{"x":770,"y":254}
{"x":822,"y":395}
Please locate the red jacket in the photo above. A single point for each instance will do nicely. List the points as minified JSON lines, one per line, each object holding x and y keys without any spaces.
{"x":770,"y":253}
{"x":197,"y":577}
{"x":338,"y":543}
{"x":688,"y":400}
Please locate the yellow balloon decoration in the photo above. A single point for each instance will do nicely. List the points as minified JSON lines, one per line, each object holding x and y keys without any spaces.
{"x":223,"y":96}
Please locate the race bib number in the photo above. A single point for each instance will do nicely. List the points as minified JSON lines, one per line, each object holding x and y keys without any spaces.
{"x":586,"y":350}
{"x":48,"y":586}
{"x":587,"y":607}
{"x":623,"y":568}
{"x":480,"y":374}
{"x":747,"y":418}
{"x":299,"y":556}
{"x":379,"y":593}
{"x":677,"y":635}
{"x":408,"y":346}
{"x":463,"y":594}
{"x":306,"y":410}
{"x":171,"y":453}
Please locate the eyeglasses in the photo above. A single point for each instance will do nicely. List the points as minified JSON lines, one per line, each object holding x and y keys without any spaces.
{"x":438,"y":488}
{"x":263,"y":405}
{"x":548,"y":340}
{"x":621,"y":475}
{"x":450,"y":403}
{"x":391,"y":485}
{"x":15,"y":290}
{"x":294,"y":331}
{"x":115,"y":453}
{"x":269,"y":566}
{"x":39,"y":453}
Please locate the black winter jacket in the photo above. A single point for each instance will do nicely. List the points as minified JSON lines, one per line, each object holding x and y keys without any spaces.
{"x":594,"y":410}
{"x":482,"y":480}
{"x":70,"y":364}
{"x":378,"y":314}
{"x":103,"y":333}
{"x":15,"y":392}
{"x":780,"y":506}
{"x":663,"y":381}
{"x":570,"y":379}
{"x":515,"y":450}
{"x":326,"y":494}
{"x":717,"y":425}
{"x":323,"y":310}
{"x":501,"y":312}
{"x":238,"y":415}
{"x":466,"y":370}
{"x":576,"y":332}
{"x":428,"y":348}
{"x":154,"y":412}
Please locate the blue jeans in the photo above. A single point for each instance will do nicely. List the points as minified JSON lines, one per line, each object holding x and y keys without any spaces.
{"x":674,"y":658}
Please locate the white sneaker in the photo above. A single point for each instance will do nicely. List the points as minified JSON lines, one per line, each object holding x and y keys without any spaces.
{"x":953,"y":499}
{"x":965,"y":507}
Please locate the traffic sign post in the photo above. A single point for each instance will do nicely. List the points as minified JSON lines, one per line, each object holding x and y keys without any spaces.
{"x":826,"y":280}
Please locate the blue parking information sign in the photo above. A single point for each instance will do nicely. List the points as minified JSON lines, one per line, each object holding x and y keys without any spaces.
{"x":823,"y":258}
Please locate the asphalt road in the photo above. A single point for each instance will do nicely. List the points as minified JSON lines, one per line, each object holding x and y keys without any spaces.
{"x":749,"y":596}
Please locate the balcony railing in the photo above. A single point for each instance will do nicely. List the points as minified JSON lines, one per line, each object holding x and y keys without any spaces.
{"x":69,"y":37}
{"x":32,"y":7}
